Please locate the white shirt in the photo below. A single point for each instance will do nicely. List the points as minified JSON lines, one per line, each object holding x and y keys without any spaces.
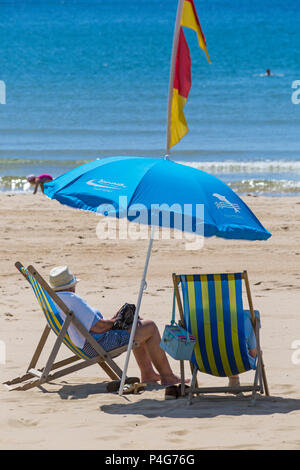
{"x":87,"y":315}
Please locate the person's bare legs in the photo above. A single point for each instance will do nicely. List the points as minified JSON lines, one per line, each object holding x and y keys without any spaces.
{"x":234,"y":380}
{"x":148,"y":335}
{"x":148,"y":374}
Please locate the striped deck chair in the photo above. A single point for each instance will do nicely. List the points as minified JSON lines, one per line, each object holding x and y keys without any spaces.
{"x":48,"y":299}
{"x":211,"y":308}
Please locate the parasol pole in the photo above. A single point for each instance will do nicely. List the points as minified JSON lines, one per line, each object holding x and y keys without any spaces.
{"x":136,"y":315}
{"x":172,"y":71}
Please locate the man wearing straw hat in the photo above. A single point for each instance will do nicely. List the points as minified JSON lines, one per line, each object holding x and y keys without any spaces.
{"x":147,"y":355}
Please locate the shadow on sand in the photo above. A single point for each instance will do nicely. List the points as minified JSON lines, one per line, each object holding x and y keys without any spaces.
{"x":82,"y":391}
{"x":205,"y":407}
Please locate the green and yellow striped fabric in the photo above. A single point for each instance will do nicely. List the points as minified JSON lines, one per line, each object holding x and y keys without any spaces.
{"x":213,"y":312}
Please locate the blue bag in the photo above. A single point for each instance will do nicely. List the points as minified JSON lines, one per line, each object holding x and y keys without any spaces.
{"x":176,"y":341}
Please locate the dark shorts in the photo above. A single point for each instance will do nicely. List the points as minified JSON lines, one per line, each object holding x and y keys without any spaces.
{"x":112,"y":339}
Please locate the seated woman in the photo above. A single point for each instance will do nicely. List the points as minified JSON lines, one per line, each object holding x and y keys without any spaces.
{"x":148,"y":354}
{"x":37,"y":181}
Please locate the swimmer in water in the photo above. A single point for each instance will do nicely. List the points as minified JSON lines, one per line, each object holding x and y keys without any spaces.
{"x":37,"y":181}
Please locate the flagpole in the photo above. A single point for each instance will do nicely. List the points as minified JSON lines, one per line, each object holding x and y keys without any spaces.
{"x":172,"y":71}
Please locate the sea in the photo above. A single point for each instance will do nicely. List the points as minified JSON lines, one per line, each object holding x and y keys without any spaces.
{"x":87,"y":79}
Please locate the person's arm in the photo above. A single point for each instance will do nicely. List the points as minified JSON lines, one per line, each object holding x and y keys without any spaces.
{"x":102,"y":326}
{"x":253,"y":352}
{"x":36,"y":187}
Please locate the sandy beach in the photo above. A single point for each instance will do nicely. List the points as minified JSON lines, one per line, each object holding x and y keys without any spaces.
{"x":76,"y":412}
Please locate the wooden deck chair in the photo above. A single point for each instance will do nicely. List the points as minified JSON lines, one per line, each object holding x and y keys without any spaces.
{"x":48,"y":299}
{"x":212,"y":310}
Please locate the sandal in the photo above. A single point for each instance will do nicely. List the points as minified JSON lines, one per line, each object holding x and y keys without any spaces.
{"x":186,"y":391}
{"x":114,"y":385}
{"x":171,"y":392}
{"x":136,"y":388}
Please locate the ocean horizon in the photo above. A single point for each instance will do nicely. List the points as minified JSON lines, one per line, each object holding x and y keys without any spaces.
{"x":87,"y":80}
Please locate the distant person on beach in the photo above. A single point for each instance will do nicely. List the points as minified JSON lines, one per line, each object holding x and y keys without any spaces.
{"x":37,"y":181}
{"x":147,"y":354}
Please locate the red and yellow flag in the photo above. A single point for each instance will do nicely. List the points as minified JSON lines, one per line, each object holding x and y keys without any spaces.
{"x":190,"y":20}
{"x":182,"y":74}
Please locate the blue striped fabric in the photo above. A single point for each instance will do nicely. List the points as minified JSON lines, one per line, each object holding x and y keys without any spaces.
{"x":213,"y":312}
{"x":110,"y":340}
{"x":51,"y":313}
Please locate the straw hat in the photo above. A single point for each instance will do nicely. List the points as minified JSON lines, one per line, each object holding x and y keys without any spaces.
{"x":61,"y":278}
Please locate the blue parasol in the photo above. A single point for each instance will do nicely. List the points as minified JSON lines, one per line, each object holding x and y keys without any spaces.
{"x":157,"y":192}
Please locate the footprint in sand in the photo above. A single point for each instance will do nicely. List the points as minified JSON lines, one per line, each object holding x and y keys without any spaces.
{"x":287,"y":389}
{"x":23,"y":422}
{"x":176,"y":441}
{"x":181,"y":432}
{"x":110,"y":437}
